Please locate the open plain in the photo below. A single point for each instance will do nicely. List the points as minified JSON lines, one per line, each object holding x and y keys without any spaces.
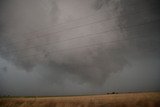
{"x":149,"y":99}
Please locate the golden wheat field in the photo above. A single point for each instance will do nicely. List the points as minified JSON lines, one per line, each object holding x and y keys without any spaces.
{"x":150,"y":99}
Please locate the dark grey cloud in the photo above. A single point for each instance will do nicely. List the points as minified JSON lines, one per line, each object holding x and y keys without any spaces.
{"x":78,"y":47}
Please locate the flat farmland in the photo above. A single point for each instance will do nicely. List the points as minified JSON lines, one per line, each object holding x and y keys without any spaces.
{"x":147,"y":99}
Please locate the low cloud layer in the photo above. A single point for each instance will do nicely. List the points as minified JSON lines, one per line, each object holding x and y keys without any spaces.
{"x":64,"y":47}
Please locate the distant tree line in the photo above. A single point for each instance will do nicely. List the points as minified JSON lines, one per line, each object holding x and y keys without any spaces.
{"x":112,"y":93}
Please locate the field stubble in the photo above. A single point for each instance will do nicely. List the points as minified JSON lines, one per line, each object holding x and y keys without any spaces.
{"x":151,"y":99}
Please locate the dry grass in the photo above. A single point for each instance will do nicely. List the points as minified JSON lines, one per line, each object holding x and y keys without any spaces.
{"x":112,"y":100}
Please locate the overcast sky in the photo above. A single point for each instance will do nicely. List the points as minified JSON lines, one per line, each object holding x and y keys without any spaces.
{"x":76,"y":47}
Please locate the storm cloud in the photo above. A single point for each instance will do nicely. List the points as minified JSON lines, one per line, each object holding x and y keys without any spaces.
{"x":64,"y":47}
